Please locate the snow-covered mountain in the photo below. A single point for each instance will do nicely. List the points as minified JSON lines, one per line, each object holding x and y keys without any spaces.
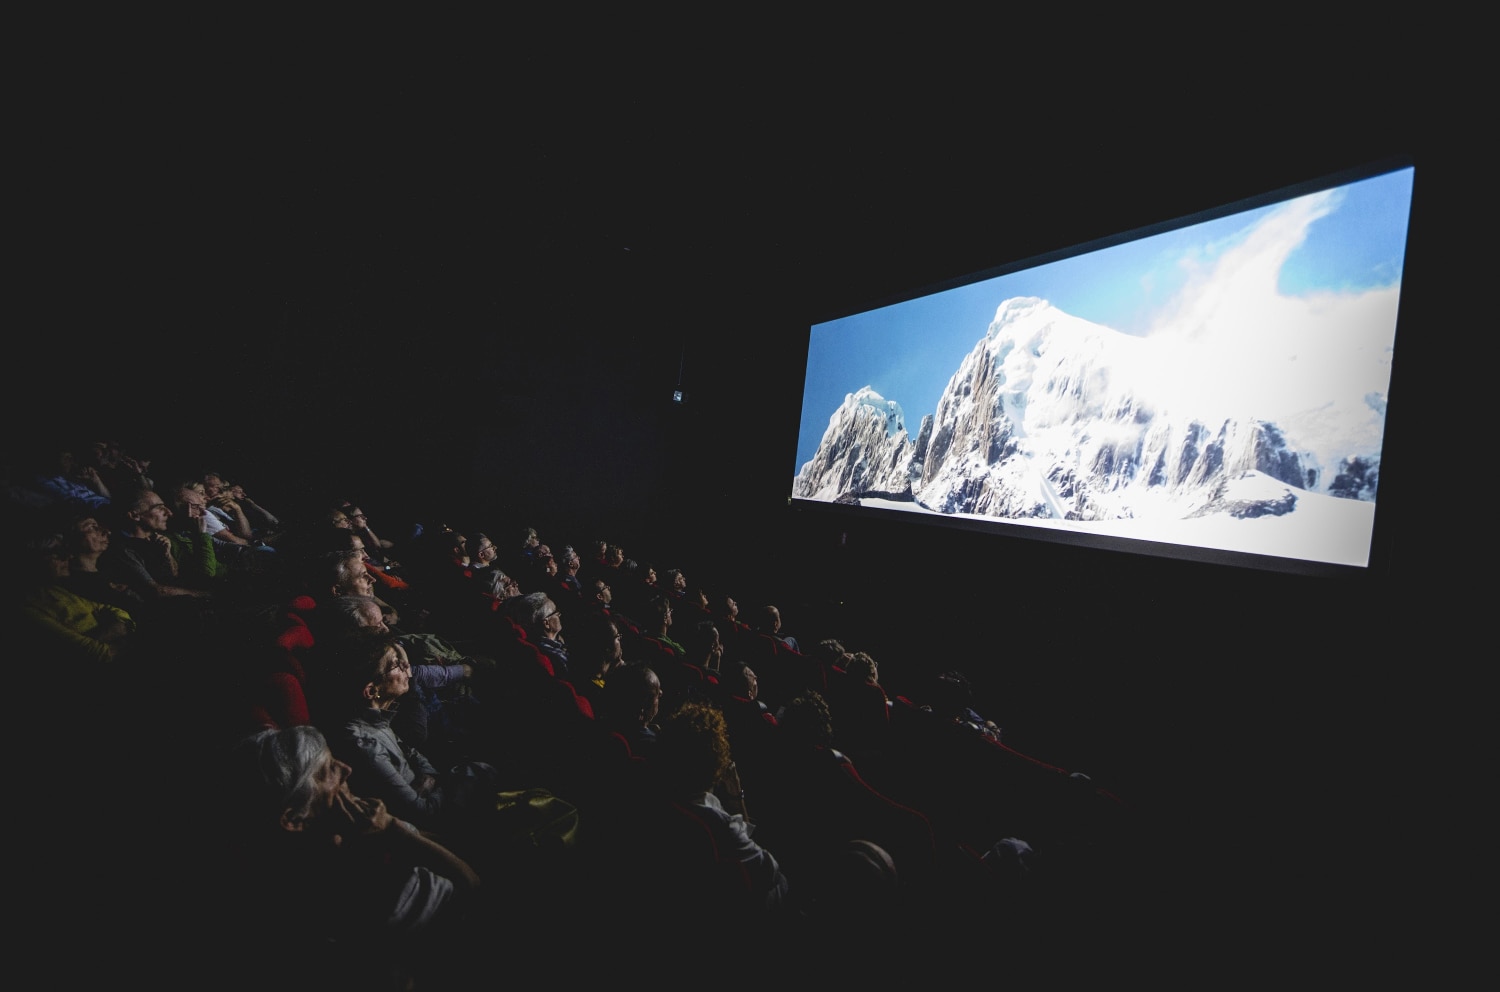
{"x":864,"y":449}
{"x":1053,"y":416}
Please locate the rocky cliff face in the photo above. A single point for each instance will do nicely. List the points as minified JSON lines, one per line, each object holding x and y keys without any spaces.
{"x":1052,"y":416}
{"x":865,"y":448}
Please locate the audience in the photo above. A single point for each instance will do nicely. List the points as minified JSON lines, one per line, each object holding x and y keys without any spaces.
{"x":403,"y":716}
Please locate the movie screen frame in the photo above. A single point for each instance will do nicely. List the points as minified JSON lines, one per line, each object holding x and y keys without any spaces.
{"x":1213,"y":387}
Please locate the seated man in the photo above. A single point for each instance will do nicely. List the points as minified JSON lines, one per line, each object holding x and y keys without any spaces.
{"x":63,"y":482}
{"x":142,"y":556}
{"x":540,"y":618}
{"x":231,"y":505}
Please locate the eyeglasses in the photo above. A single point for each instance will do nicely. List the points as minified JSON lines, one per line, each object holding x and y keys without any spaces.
{"x":154,"y":507}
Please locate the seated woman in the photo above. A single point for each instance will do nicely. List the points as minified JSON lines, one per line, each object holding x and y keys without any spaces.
{"x":72,"y":625}
{"x":692,"y":766}
{"x":88,"y":539}
{"x":364,"y":677}
{"x":326,"y":869}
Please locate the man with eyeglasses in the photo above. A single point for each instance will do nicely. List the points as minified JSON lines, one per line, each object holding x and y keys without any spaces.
{"x":540,"y":618}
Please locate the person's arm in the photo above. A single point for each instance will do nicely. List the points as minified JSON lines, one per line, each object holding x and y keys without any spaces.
{"x":368,"y":820}
{"x":197,"y":556}
{"x":368,"y":536}
{"x":760,"y":864}
{"x":162,"y":544}
{"x":89,"y":476}
{"x":435,"y":675}
{"x":64,"y":490}
{"x":239,"y":524}
{"x":78,"y":646}
{"x":238,"y":492}
{"x":392,"y":778}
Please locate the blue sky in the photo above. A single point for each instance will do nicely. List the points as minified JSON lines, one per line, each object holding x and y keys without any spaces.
{"x":908,"y":351}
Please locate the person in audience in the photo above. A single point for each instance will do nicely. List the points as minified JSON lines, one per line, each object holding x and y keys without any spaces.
{"x":364,"y":677}
{"x":770,"y":623}
{"x":616,"y":566}
{"x":88,"y":540}
{"x":330,"y":879}
{"x":599,"y":597}
{"x":437,"y":563}
{"x":659,"y":625}
{"x":594,"y":651}
{"x":752,"y":725}
{"x":195,"y":492}
{"x":693,"y":765}
{"x":442,"y":716}
{"x":728,"y":615}
{"x":229,"y":502}
{"x":567,"y":577}
{"x":951,"y":698}
{"x":63,"y":482}
{"x":540,"y":618}
{"x":831,"y":653}
{"x":376,"y":547}
{"x":501,"y":587}
{"x":482,"y":551}
{"x":522,"y":560}
{"x":192,"y":540}
{"x":704,"y":647}
{"x":390,"y":591}
{"x":629,"y":703}
{"x":815,"y":800}
{"x":75,"y":628}
{"x":141,"y":555}
{"x":342,"y":573}
{"x":120,"y":470}
{"x":336,"y":516}
{"x":693,"y":609}
{"x":862,"y":667}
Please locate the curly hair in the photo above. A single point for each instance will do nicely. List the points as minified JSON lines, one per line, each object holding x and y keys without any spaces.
{"x":807,"y":720}
{"x":693,"y":747}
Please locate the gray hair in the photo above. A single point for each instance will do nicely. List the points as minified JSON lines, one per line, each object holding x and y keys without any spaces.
{"x":529,"y":610}
{"x":278,"y":767}
{"x":350,"y":612}
{"x":494,"y":580}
